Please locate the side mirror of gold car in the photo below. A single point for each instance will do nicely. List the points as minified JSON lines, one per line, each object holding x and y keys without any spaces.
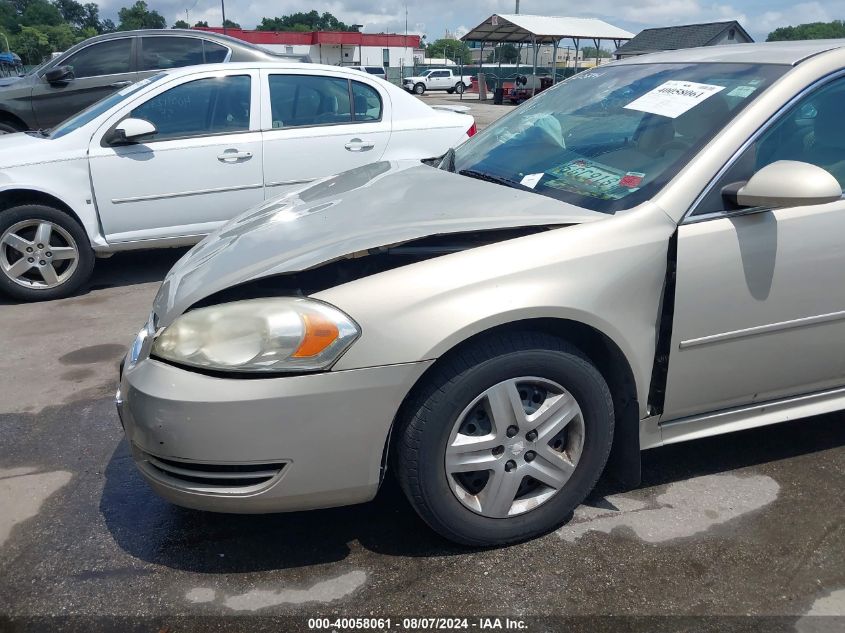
{"x":785,"y":183}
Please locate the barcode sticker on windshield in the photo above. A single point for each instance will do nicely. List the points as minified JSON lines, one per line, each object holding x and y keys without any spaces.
{"x":673,"y":98}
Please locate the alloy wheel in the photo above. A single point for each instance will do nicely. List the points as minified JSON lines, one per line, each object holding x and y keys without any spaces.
{"x":38,"y":254}
{"x":514,"y":447}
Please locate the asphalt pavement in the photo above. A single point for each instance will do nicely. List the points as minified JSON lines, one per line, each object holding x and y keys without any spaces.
{"x":739,"y":532}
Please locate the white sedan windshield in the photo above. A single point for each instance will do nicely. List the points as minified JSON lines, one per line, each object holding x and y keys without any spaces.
{"x":607,"y":139}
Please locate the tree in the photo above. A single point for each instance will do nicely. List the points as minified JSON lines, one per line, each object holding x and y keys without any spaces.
{"x":455,"y":50}
{"x":41,"y":12}
{"x":32,"y":45}
{"x":589,"y":52}
{"x":91,"y":17}
{"x":506,"y":53}
{"x":61,"y":36}
{"x":180,"y":24}
{"x":231,"y":25}
{"x":139,"y":16}
{"x":811,"y":31}
{"x":71,"y":11}
{"x":107,"y":26}
{"x":9,"y":21}
{"x":311,"y":21}
{"x":201,"y":23}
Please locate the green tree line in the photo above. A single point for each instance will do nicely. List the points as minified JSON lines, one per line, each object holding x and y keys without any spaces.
{"x":811,"y":31}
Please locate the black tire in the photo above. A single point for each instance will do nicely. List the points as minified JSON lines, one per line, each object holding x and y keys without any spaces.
{"x":7,"y":127}
{"x":419,"y":88}
{"x":450,"y":91}
{"x":84,"y":260}
{"x":425,"y":425}
{"x":459,"y":87}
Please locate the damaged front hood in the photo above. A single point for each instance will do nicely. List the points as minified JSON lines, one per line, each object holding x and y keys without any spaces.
{"x":369,"y":207}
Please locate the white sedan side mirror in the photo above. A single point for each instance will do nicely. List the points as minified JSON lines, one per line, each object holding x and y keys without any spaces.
{"x":785,"y":183}
{"x":132,"y":131}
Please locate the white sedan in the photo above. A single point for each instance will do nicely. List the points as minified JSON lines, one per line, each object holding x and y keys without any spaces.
{"x":168,"y":159}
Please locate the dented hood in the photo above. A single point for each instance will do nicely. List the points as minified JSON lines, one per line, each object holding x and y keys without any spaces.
{"x":376,"y":205}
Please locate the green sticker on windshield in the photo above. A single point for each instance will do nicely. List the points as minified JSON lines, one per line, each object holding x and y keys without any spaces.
{"x":587,"y":177}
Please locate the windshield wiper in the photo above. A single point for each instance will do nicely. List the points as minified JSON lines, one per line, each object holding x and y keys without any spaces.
{"x":499,"y":180}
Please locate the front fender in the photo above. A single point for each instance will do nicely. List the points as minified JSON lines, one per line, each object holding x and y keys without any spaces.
{"x":608,"y":275}
{"x":68,"y":189}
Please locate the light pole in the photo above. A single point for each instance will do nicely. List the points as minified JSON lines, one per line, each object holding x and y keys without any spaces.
{"x":223,"y":7}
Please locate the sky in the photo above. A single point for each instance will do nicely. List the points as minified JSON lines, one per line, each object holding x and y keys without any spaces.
{"x":434,"y":17}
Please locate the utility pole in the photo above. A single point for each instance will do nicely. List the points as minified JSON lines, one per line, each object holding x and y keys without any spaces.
{"x":517,"y":7}
{"x":187,"y":19}
{"x":223,"y":7}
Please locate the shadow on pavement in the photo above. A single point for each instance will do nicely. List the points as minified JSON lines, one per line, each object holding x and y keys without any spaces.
{"x":125,"y":269}
{"x":153,"y":530}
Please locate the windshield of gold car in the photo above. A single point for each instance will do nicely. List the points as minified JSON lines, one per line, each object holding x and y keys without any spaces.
{"x":609,"y":138}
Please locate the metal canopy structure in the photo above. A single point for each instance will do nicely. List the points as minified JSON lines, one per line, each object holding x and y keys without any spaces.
{"x":541,"y":29}
{"x":538,"y":29}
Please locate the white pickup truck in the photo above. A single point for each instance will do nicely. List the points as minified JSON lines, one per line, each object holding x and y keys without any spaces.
{"x":438,"y":79}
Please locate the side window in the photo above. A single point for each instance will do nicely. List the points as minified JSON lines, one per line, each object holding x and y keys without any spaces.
{"x":214,"y":53}
{"x":159,"y":53}
{"x":106,"y":58}
{"x":299,"y":100}
{"x":367,"y":102}
{"x":216,"y":105}
{"x":812,"y":131}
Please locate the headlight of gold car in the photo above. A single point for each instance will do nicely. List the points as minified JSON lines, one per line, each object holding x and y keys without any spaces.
{"x":283,"y":334}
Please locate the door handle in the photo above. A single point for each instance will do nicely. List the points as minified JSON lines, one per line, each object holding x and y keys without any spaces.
{"x":233,"y":155}
{"x":357,"y":145}
{"x":120,"y":84}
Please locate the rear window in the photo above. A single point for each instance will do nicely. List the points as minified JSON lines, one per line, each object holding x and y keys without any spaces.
{"x":160,"y":53}
{"x":163,"y":52}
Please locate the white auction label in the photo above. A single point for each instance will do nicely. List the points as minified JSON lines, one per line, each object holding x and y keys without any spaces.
{"x":673,"y":98}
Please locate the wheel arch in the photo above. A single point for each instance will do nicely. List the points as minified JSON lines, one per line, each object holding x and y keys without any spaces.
{"x":16,"y":196}
{"x":8,"y":117}
{"x":605,"y":354}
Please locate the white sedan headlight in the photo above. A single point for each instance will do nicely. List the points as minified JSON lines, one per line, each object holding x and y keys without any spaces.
{"x":283,"y":334}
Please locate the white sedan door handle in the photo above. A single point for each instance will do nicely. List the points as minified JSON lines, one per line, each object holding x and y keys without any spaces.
{"x":357,"y":145}
{"x":233,"y":155}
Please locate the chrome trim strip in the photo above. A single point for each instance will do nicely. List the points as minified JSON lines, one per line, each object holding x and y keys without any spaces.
{"x":150,"y":242}
{"x":752,"y":415}
{"x":182,"y":194}
{"x":763,"y":329}
{"x":280,"y":183}
{"x":688,"y":217}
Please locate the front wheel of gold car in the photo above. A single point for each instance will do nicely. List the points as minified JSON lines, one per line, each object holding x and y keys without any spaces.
{"x":505,"y":439}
